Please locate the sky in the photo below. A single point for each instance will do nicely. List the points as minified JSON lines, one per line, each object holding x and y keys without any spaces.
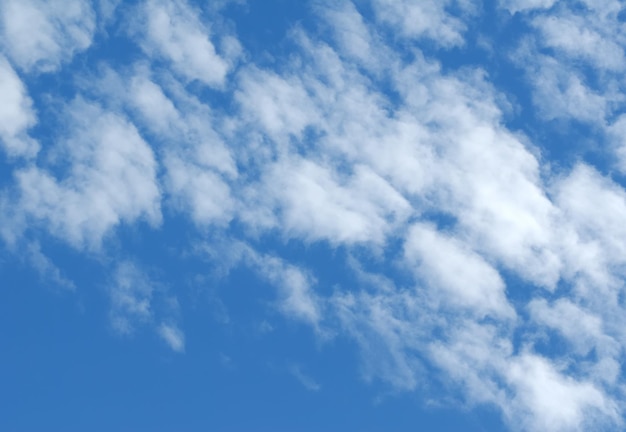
{"x":316,"y":215}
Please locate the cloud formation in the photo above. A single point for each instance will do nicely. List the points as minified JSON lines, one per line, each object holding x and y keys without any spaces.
{"x":16,"y":114}
{"x":41,"y":35}
{"x":471,"y":248}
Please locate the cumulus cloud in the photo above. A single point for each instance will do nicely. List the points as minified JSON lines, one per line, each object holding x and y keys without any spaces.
{"x":581,"y":328}
{"x":198,"y":164}
{"x":315,"y":205}
{"x":40,"y":35}
{"x":172,"y":30}
{"x":573,"y":36}
{"x":595,"y":244}
{"x":464,"y":277}
{"x":555,"y":402}
{"x":426,"y":19}
{"x":574,"y":62}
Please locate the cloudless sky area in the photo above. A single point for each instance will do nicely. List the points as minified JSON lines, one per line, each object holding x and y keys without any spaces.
{"x":316,"y":215}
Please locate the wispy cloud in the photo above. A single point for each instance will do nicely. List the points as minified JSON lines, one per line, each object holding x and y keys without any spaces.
{"x":172,"y":336}
{"x":138,"y":301}
{"x":304,"y":379}
{"x":131,"y":297}
{"x":16,"y":114}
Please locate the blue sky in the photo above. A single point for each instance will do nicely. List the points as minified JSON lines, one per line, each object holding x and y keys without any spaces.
{"x":368,"y":215}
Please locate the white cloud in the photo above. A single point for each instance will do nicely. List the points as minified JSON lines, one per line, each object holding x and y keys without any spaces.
{"x":617,"y":141}
{"x":561,"y":93}
{"x":525,"y":5}
{"x":131,"y":297}
{"x":354,"y":38}
{"x":314,"y":204}
{"x":424,"y":19}
{"x":581,"y":328}
{"x":199,"y":166}
{"x":465,"y":279}
{"x":468,"y":181}
{"x":202,"y":192}
{"x":16,"y":114}
{"x":445,"y":150}
{"x":111,"y":179}
{"x":40,"y":35}
{"x":173,"y":30}
{"x":574,"y":37}
{"x":574,"y":61}
{"x":46,"y":267}
{"x":371,"y":151}
{"x":304,"y":379}
{"x":471,"y":357}
{"x":155,"y":107}
{"x":531,"y":390}
{"x":172,"y":335}
{"x":296,"y":299}
{"x":107,"y":10}
{"x":593,"y":206}
{"x":408,"y":150}
{"x":556,"y":402}
{"x":197,"y":161}
{"x":445,"y":125}
{"x":442,"y":148}
{"x":389,"y":329}
{"x":138,"y":301}
{"x":280,"y":104}
{"x":181,"y":118}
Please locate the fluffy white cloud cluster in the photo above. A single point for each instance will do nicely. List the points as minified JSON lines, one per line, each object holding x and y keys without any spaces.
{"x":358,"y":143}
{"x":574,"y":58}
{"x":173,"y":31}
{"x":40,"y":35}
{"x":111,"y":178}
